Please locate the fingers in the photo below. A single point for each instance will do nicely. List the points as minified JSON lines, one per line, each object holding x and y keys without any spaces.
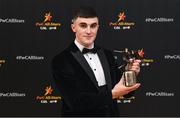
{"x":134,"y":87}
{"x":135,"y":66}
{"x":134,"y":63}
{"x":136,"y":69}
{"x":120,"y":89}
{"x":135,"y":60}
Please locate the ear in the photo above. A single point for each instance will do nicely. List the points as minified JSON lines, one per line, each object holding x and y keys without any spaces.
{"x":73,"y":27}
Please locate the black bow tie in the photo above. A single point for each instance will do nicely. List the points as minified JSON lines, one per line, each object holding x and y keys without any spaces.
{"x":93,"y":50}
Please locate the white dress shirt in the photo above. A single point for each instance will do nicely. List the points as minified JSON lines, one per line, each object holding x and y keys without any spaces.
{"x":94,"y":63}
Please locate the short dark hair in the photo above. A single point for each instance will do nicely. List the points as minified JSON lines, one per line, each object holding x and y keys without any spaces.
{"x":84,"y":12}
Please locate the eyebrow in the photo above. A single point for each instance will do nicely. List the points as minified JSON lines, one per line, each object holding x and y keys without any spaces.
{"x":90,"y":24}
{"x":82,"y":23}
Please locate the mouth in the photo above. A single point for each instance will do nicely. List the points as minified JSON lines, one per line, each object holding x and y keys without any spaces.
{"x":88,"y":36}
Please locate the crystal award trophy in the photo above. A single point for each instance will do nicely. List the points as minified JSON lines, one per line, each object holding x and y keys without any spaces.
{"x":129,"y":75}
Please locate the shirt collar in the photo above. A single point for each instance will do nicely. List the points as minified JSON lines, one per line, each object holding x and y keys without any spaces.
{"x":80,"y":46}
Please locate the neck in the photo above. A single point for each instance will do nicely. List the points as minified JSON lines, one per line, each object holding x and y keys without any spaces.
{"x":86,"y":46}
{"x":89,"y":46}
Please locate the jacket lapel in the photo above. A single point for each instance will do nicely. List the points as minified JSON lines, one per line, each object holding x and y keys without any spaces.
{"x":105,"y":67}
{"x":84,"y":64}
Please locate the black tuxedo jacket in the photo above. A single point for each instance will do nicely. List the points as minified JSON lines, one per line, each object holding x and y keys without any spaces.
{"x":81,"y":95}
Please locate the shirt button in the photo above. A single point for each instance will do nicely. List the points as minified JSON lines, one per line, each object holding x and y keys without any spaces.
{"x":94,"y":69}
{"x":90,"y":58}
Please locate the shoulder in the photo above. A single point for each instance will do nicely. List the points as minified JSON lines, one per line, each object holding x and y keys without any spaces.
{"x":61,"y":57}
{"x":108,"y":53}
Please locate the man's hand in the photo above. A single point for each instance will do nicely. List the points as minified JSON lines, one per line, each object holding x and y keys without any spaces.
{"x":120,"y":89}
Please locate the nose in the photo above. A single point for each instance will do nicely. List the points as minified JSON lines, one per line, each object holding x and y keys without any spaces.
{"x":88,"y":30}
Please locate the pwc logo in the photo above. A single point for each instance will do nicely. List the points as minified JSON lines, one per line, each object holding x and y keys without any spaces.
{"x":121,"y":16}
{"x":48,"y":96}
{"x":47,"y":23}
{"x":121,"y":23}
{"x":48,"y":17}
{"x":48,"y":90}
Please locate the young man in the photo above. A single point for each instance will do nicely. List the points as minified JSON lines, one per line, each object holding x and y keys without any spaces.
{"x":86,"y":75}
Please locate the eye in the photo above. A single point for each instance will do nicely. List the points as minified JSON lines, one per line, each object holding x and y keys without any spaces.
{"x":83,"y":25}
{"x":94,"y":25}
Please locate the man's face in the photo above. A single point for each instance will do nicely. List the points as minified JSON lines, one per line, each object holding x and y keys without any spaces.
{"x":85,"y":30}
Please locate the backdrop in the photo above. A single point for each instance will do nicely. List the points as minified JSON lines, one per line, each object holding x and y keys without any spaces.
{"x":32,"y":32}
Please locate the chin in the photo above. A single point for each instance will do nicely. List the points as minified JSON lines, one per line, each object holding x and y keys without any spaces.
{"x":88,"y":43}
